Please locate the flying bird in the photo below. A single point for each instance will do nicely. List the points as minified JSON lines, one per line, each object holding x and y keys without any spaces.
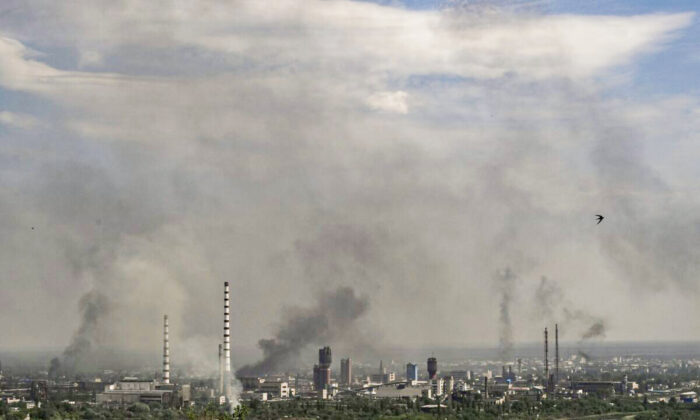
{"x":600,"y":218}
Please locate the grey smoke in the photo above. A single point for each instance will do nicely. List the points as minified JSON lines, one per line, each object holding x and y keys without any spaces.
{"x":552,"y":306}
{"x":548,"y":295}
{"x":93,"y":306}
{"x":54,"y":368}
{"x":198,"y":179}
{"x":594,"y":331}
{"x":330,"y":319}
{"x":505,"y":281}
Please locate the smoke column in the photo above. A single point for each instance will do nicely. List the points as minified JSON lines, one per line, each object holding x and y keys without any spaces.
{"x":221,"y":370}
{"x":506,"y":283}
{"x":330,"y":320}
{"x":93,"y":306}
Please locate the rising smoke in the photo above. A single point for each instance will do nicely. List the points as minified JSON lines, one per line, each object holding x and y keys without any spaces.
{"x":552,"y":306}
{"x":93,"y":306}
{"x":505,"y":281}
{"x":165,"y":174}
{"x":594,"y":331}
{"x":331,"y":319}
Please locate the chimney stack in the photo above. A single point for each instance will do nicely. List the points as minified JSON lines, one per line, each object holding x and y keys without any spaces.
{"x":546,"y":358}
{"x":166,"y":351}
{"x":556,"y":353}
{"x":227,"y":345}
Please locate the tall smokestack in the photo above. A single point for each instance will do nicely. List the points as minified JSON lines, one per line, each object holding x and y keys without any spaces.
{"x":227,"y":345}
{"x":556,"y":353}
{"x":546,"y":360}
{"x":166,"y":351}
{"x":221,"y":369}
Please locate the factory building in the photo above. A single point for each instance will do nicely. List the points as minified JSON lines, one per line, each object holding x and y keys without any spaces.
{"x":600,"y":387}
{"x":132,"y":390}
{"x":401,"y":390}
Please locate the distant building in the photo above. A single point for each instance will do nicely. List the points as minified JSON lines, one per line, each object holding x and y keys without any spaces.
{"x":448,"y":384}
{"x":132,"y":390}
{"x":432,"y":368}
{"x":322,"y":371}
{"x":275,"y":389}
{"x":599,"y":387}
{"x":437,"y":386}
{"x":346,"y":372}
{"x":401,"y":390}
{"x":411,"y":372}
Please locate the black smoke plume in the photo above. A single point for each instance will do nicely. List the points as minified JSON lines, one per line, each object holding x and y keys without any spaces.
{"x":93,"y":307}
{"x":506,"y":283}
{"x":595,"y":330}
{"x":333,"y":315}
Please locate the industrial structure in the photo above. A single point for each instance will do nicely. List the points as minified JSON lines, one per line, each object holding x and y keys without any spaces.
{"x":166,"y":351}
{"x":131,"y":389}
{"x":556,"y":354}
{"x":227,"y":396}
{"x":546,"y":360}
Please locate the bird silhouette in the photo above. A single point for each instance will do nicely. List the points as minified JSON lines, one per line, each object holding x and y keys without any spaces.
{"x":600,"y":218}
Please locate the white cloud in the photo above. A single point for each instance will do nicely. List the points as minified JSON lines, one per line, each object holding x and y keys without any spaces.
{"x":272,"y":144}
{"x":395,"y":102}
{"x":18,"y":120}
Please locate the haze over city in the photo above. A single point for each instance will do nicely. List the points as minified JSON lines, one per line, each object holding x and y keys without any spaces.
{"x":365,"y":175}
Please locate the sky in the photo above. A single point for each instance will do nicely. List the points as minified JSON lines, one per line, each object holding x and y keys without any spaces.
{"x":438,"y":159}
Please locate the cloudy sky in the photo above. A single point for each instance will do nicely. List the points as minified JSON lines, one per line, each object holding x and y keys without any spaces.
{"x":410,"y":150}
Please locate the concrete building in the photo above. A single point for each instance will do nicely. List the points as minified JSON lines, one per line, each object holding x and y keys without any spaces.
{"x":322,"y":371}
{"x":599,"y":387}
{"x":448,"y":384}
{"x":400,"y":390}
{"x":274,"y":389}
{"x":437,"y":386}
{"x":132,"y":390}
{"x":411,"y":372}
{"x":346,"y":372}
{"x":432,"y":368}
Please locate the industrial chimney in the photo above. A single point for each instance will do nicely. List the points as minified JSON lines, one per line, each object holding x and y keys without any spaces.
{"x":546,"y":359}
{"x":227,"y":345}
{"x":166,"y":351}
{"x":556,"y":353}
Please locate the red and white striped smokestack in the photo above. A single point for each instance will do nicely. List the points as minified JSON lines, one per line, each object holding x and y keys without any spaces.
{"x":227,"y":343}
{"x":166,"y":351}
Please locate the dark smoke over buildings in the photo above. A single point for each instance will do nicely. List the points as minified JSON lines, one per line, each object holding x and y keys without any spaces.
{"x":92,"y":307}
{"x":333,"y":316}
{"x":595,"y":330}
{"x":551,"y":305}
{"x":506,"y":283}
